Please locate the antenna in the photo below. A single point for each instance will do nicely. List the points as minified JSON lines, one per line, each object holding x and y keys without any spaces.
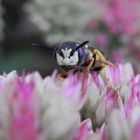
{"x":82,"y":44}
{"x":38,"y":45}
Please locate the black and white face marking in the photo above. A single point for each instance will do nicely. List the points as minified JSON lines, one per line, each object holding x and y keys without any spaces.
{"x":68,"y":54}
{"x":67,"y":57}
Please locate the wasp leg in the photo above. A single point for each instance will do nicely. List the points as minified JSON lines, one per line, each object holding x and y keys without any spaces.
{"x":108,"y":63}
{"x":88,"y":68}
{"x":61,"y":76}
{"x":99,"y":68}
{"x":100,"y":57}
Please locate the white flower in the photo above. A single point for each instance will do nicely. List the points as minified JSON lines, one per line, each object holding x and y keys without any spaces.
{"x":118,"y":127}
{"x":117,"y":75}
{"x":60,"y":105}
{"x":70,"y":109}
{"x":62,"y":20}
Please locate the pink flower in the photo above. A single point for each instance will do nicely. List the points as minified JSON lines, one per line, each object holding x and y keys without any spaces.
{"x":84,"y":131}
{"x":35,"y":108}
{"x":61,"y":103}
{"x":127,"y":128}
{"x":23,"y":119}
{"x":136,"y":131}
{"x":108,"y":91}
{"x":80,"y":107}
{"x":118,"y":16}
{"x":114,"y":76}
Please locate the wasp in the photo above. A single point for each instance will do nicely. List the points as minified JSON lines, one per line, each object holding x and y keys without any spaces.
{"x":78,"y":57}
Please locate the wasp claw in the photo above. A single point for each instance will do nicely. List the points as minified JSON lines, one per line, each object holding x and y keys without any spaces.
{"x":109,"y":63}
{"x":61,"y":76}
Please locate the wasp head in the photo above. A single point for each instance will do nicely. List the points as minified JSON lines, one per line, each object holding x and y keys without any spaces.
{"x":67,"y":54}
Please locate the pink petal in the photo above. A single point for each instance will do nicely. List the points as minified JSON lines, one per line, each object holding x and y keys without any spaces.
{"x":84,"y":130}
{"x":22,"y":117}
{"x":114,"y":75}
{"x":136,"y":132}
{"x":23,"y":127}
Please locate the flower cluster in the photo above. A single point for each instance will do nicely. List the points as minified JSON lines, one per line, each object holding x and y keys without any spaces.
{"x":118,"y":27}
{"x":119,"y":18}
{"x":36,"y":109}
{"x":103,"y":106}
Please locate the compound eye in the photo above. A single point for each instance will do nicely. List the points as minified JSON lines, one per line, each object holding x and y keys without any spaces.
{"x":72,"y":52}
{"x":60,"y":53}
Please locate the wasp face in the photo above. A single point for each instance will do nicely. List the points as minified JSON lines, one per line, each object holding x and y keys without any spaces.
{"x":66,"y":57}
{"x":69,"y":54}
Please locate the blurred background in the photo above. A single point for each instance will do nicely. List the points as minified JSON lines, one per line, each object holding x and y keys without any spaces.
{"x":113,"y":26}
